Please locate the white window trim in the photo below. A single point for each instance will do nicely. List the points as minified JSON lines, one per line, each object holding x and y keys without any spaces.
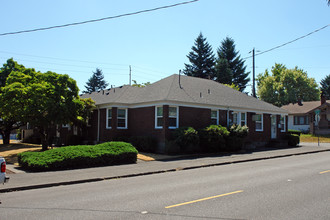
{"x":156,"y":117}
{"x":262,"y":123}
{"x":107,"y":119}
{"x":240,"y":118}
{"x":177,"y":116}
{"x":283,"y":123}
{"x":126,"y":118}
{"x":217,"y":115}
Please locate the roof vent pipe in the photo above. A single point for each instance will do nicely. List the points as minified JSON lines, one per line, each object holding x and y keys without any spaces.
{"x":180,"y":79}
{"x":200,"y":95}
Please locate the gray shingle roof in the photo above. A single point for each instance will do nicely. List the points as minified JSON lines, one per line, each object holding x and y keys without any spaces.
{"x":304,"y":108}
{"x":193,"y":91}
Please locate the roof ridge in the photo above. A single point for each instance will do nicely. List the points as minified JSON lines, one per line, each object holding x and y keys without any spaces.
{"x":170,"y":87}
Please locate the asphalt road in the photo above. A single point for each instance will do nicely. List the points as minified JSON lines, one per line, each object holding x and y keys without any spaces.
{"x":295,"y":187}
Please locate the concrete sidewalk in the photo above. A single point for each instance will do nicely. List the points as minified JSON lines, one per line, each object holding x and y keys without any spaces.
{"x":24,"y":181}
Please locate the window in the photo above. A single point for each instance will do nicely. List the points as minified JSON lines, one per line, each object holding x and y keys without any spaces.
{"x":282,"y":123}
{"x":243,"y":118}
{"x":301,"y":120}
{"x":235,"y":118}
{"x":65,"y":126}
{"x":122,"y":118}
{"x":159,"y":117}
{"x":109,"y":117}
{"x":259,"y":122}
{"x":214,"y":117}
{"x":173,"y":117}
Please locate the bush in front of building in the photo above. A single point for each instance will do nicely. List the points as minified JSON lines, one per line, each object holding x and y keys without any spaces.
{"x":297,"y":132}
{"x":143,"y":143}
{"x":236,"y":137}
{"x":213,"y":138}
{"x":81,"y":156}
{"x":293,"y":140}
{"x":187,"y":139}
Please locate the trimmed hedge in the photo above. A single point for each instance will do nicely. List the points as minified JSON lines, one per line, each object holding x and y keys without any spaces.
{"x":213,"y":138}
{"x":293,"y":140}
{"x":81,"y":156}
{"x":187,"y":138}
{"x":297,"y":132}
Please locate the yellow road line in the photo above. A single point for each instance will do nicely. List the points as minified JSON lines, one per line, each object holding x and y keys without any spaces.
{"x":327,"y":171}
{"x":199,"y":200}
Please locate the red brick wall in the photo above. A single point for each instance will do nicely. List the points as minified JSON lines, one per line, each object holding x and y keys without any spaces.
{"x":194,"y":117}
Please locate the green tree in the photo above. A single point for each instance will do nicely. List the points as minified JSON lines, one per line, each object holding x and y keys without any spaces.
{"x":283,"y":86}
{"x":42,"y":99}
{"x":201,"y":59}
{"x":96,"y":82}
{"x":135,"y":84}
{"x":229,"y":66}
{"x":325,"y":86}
{"x":8,"y":122}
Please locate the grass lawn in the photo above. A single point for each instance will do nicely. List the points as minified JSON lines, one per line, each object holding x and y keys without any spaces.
{"x":314,"y":138}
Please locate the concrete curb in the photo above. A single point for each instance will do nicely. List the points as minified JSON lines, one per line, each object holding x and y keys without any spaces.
{"x":40,"y":186}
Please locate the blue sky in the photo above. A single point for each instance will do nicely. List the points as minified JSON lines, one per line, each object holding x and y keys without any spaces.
{"x":155,"y":44}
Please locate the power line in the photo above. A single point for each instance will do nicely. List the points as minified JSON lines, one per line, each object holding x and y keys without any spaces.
{"x":289,"y":42}
{"x":100,"y":19}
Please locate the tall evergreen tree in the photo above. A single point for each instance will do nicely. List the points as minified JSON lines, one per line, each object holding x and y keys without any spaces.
{"x":234,"y":68}
{"x":201,"y":59}
{"x":325,"y":86}
{"x":96,"y":82}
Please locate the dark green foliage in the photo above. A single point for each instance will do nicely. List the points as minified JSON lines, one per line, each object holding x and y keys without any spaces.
{"x":230,"y":66}
{"x":81,"y":156}
{"x":96,"y":82}
{"x":213,"y":138}
{"x":187,"y":138}
{"x":201,"y":60}
{"x":73,"y":140}
{"x":237,"y":135}
{"x":297,"y":132}
{"x":143,"y":143}
{"x":325,"y":86}
{"x":293,"y":140}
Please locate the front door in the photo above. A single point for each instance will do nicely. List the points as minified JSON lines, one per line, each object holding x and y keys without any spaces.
{"x":273,"y":127}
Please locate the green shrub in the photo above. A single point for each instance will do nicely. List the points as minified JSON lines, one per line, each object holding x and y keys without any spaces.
{"x":80,"y":156}
{"x":187,"y":138}
{"x":143,"y":143}
{"x":237,"y":135}
{"x":297,"y":132}
{"x":293,"y":139}
{"x":213,"y":138}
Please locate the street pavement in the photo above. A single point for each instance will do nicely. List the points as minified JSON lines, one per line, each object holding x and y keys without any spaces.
{"x":20,"y":180}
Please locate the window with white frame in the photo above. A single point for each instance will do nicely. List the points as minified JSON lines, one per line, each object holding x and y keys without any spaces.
{"x":282,"y":123}
{"x":235,"y":118}
{"x":259,"y":122}
{"x":243,"y":118}
{"x":159,"y":117}
{"x":214,"y":117}
{"x":109,"y":117}
{"x":122,"y":118}
{"x":173,"y":117}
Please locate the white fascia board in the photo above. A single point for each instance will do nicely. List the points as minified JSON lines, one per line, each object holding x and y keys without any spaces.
{"x":192,"y":105}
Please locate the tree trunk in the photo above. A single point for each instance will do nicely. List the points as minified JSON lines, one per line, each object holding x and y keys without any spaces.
{"x":5,"y":137}
{"x":44,"y":138}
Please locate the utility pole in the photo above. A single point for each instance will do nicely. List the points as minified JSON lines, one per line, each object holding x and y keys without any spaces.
{"x":130,"y":74}
{"x":253,"y":76}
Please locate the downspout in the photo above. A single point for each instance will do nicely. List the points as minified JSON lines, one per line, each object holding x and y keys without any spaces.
{"x":98,"y":124}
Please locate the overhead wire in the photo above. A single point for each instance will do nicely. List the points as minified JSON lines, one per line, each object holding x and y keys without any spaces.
{"x":99,"y":19}
{"x":289,"y":42}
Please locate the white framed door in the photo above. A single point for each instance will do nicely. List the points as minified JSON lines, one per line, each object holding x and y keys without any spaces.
{"x":273,"y":127}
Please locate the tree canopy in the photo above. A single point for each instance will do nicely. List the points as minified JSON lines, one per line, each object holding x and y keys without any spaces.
{"x":8,"y":122}
{"x":283,"y":86}
{"x":43,"y":99}
{"x":201,"y":59}
{"x":96,"y":82}
{"x":325,"y":86}
{"x":229,"y":66}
